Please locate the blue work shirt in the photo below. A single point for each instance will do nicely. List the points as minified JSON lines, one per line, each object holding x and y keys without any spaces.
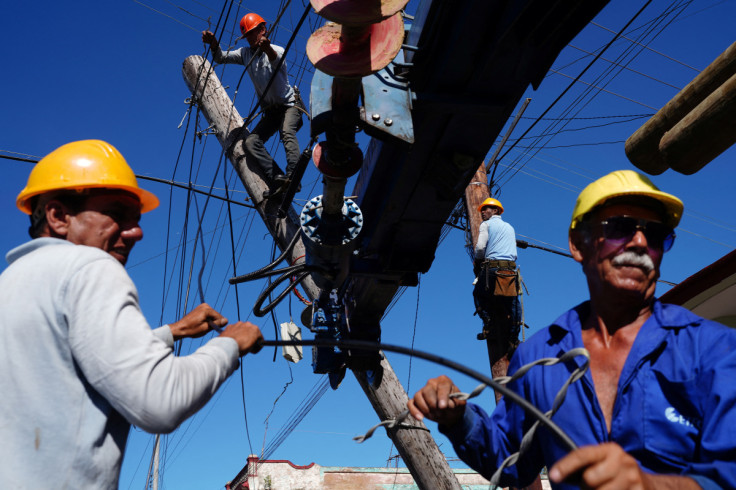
{"x":675,"y":408}
{"x":496,"y":240}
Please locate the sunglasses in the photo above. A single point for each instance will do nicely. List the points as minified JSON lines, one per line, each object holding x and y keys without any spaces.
{"x":623,"y":228}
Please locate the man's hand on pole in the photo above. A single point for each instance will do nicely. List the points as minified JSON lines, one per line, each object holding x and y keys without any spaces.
{"x":434,"y":402}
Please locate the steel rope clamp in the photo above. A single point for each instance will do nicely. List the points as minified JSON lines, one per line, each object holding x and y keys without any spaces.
{"x":394,"y":423}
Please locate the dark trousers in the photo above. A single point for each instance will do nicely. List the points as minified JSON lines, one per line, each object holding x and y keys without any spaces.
{"x":501,"y":315}
{"x":285,"y":120}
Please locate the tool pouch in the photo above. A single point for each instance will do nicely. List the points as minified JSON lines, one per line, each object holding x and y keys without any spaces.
{"x":507,"y":283}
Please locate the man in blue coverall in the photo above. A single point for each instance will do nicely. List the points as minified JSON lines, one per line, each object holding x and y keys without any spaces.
{"x":656,"y":409}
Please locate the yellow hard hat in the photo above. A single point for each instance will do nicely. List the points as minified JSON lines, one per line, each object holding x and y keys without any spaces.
{"x":86,"y":164}
{"x":491,"y":202}
{"x":625,"y":183}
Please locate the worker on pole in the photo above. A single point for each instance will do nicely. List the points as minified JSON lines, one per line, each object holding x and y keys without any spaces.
{"x":78,"y":362}
{"x":281,"y":104}
{"x":496,"y":292}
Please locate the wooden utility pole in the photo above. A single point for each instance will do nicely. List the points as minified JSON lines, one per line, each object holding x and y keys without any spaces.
{"x":225,"y":119}
{"x":477,"y":192}
{"x":694,"y":127}
{"x":423,"y":458}
{"x":156,"y":451}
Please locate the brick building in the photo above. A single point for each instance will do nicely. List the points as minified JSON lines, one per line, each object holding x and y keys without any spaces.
{"x":285,"y":475}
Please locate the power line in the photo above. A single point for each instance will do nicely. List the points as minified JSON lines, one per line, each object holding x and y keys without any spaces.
{"x":647,"y":47}
{"x":672,"y":10}
{"x":559,"y":182}
{"x":200,"y":217}
{"x":574,"y":145}
{"x":171,"y":183}
{"x":577,"y":78}
{"x":652,"y":24}
{"x":186,"y":11}
{"x":167,"y":15}
{"x":583,"y":128}
{"x":316,"y":393}
{"x":566,"y":166}
{"x":582,"y":118}
{"x":197,"y":191}
{"x":627,"y":68}
{"x":730,"y":247}
{"x":283,"y":390}
{"x":645,"y":25}
{"x":18,"y":159}
{"x":185,"y":224}
{"x":601,"y":89}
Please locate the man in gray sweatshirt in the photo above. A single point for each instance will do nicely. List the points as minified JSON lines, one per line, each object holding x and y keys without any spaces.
{"x":78,"y":361}
{"x":278,"y":99}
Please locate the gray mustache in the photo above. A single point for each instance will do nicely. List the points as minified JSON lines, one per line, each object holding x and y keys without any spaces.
{"x":632,"y":258}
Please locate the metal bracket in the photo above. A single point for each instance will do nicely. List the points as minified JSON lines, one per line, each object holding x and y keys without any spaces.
{"x":327,"y":323}
{"x":386,"y":99}
{"x":320,"y":103}
{"x":387,"y":103}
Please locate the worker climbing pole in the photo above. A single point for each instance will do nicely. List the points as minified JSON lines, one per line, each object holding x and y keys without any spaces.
{"x":280,"y":102}
{"x":498,"y":283}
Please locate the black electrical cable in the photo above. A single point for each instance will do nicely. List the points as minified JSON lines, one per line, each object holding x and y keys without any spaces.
{"x":301,"y":271}
{"x":525,"y":244}
{"x":190,"y":188}
{"x":159,"y":180}
{"x":374,"y":346}
{"x":19,"y":159}
{"x":262,"y":272}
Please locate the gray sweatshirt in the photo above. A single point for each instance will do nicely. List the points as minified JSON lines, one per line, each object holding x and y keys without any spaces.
{"x":260,"y":70}
{"x":79,"y":364}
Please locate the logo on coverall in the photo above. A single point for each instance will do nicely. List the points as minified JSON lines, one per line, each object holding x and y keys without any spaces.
{"x":673,"y":416}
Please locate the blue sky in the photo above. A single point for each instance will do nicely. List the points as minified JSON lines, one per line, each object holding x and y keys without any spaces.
{"x":112,"y":70}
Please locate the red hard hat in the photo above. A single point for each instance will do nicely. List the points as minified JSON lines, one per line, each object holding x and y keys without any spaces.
{"x":250,"y":21}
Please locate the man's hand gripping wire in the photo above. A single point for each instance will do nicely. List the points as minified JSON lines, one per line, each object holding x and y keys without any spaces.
{"x":531,"y":410}
{"x":437,"y":398}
